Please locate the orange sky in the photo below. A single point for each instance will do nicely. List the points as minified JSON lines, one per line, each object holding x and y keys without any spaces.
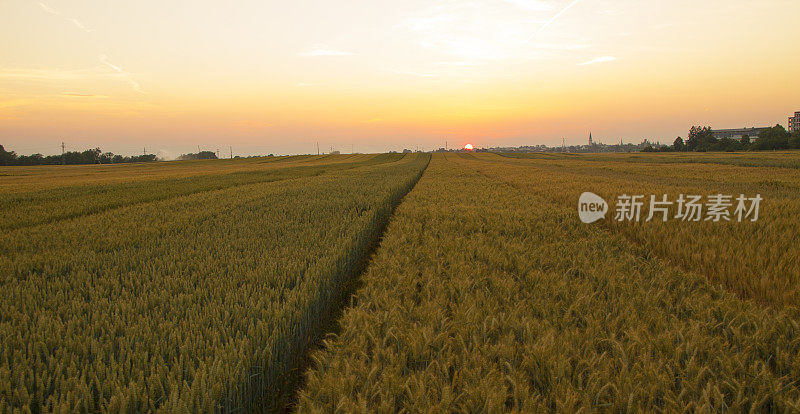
{"x":276,"y":77}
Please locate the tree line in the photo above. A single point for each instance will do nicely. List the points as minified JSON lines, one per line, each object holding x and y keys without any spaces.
{"x":90,"y":156}
{"x":702,"y":139}
{"x":202,"y":155}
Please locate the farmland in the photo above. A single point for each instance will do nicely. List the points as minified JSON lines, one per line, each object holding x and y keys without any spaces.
{"x":186,"y":300}
{"x":226,"y":285}
{"x":488,"y":294}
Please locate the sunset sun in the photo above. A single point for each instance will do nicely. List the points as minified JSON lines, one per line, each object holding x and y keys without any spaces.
{"x":468,"y":147}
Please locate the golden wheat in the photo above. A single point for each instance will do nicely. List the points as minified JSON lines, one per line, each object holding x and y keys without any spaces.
{"x":488,"y":294}
{"x":198,"y":302}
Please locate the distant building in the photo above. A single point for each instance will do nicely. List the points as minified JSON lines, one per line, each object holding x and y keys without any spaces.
{"x":590,"y":138}
{"x":737,"y":133}
{"x":794,"y":122}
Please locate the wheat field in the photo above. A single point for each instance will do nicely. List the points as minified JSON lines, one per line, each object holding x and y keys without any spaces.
{"x":457,"y":282}
{"x":189,"y":296}
{"x":488,"y":294}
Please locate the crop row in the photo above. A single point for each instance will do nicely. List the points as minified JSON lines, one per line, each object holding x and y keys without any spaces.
{"x":756,"y":260}
{"x":487,"y":297}
{"x":39,"y":206}
{"x":194,"y":303}
{"x":784,"y":159}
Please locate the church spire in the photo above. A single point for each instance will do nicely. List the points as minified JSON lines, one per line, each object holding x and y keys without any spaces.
{"x":590,"y":138}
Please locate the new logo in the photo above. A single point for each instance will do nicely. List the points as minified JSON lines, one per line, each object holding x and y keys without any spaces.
{"x":591,"y":207}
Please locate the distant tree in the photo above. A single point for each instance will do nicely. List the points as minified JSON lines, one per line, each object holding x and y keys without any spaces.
{"x":202,"y":155}
{"x":35,"y":159}
{"x":700,"y":139}
{"x":91,"y":156}
{"x":7,"y":158}
{"x":678,"y":144}
{"x":774,"y":138}
{"x":142,"y":158}
{"x":794,"y":140}
{"x":745,"y":141}
{"x":726,"y":144}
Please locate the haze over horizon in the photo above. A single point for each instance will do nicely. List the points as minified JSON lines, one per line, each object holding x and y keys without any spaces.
{"x":277,"y":77}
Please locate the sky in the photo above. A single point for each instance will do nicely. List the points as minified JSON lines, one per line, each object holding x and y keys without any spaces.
{"x":258,"y":77}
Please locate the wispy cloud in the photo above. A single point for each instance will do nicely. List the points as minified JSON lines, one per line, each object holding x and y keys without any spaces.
{"x":50,"y":75}
{"x":460,"y":63}
{"x":303,"y":84}
{"x":489,"y":31}
{"x":82,"y":95}
{"x":104,"y":60}
{"x":412,"y":73}
{"x":44,"y":74}
{"x":467,"y":30}
{"x":561,"y":46}
{"x":48,"y":9}
{"x":322,"y":52}
{"x":555,"y":17}
{"x":124,"y":74}
{"x":73,"y":20}
{"x":80,"y":25}
{"x":532,"y":5}
{"x":598,"y":60}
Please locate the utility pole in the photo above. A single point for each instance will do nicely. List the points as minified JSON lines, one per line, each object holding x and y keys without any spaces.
{"x":217,"y":152}
{"x":63,"y":150}
{"x":317,"y":147}
{"x":445,"y":145}
{"x":563,"y":144}
{"x":144,"y":150}
{"x":231,"y":148}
